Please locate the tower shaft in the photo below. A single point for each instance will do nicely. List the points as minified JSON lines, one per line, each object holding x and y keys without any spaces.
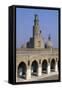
{"x":38,"y":43}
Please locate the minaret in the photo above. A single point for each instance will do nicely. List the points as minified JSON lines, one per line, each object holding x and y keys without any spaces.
{"x":38,"y":40}
{"x":49,"y":42}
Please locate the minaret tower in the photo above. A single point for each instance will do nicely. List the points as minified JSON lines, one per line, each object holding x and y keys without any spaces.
{"x":38,"y":40}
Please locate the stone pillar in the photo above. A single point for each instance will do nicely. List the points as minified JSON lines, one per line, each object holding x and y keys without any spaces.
{"x":56,"y":66}
{"x":48,"y":67}
{"x":39,"y":69}
{"x":28,"y":73}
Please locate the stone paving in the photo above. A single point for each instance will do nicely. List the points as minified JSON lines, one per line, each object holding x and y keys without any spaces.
{"x":51,"y":76}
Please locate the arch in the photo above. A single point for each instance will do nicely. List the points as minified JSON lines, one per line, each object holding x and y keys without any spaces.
{"x":52,"y":65}
{"x":44,"y":66}
{"x":34,"y":68}
{"x":22,"y":70}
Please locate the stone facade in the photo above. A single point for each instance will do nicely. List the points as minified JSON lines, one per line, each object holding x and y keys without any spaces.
{"x":36,"y":58}
{"x":28,"y":56}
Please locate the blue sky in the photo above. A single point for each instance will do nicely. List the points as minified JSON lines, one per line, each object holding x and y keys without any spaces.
{"x":48,"y":21}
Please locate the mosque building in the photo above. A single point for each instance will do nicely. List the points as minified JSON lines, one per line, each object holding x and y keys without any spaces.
{"x":36,"y":58}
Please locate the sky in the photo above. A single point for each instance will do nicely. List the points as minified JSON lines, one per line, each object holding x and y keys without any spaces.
{"x":48,"y":22}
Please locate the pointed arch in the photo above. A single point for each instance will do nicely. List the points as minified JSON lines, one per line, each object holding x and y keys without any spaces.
{"x":22,"y":70}
{"x":44,"y":66}
{"x":34,"y":67}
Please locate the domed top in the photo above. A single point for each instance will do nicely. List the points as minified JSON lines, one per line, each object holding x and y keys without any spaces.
{"x":23,"y":45}
{"x":49,"y":43}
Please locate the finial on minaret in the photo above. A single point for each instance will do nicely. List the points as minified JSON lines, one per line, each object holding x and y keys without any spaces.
{"x":36,"y":17}
{"x":40,"y":31}
{"x":49,"y":37}
{"x":36,"y":20}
